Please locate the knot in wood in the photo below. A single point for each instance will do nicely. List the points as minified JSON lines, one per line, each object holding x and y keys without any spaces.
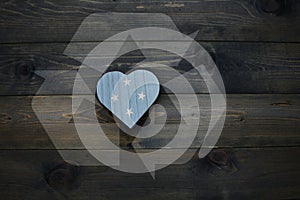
{"x":24,"y":70}
{"x":5,"y":118}
{"x":218,"y":157}
{"x":62,"y":176}
{"x":271,"y":6}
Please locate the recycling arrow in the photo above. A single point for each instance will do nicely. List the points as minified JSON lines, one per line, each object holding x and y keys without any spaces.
{"x":100,"y":56}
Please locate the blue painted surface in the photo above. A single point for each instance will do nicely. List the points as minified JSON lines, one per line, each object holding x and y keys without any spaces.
{"x":128,"y":97}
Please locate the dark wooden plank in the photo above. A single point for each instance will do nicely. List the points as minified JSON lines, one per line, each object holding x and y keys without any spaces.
{"x":252,"y":121}
{"x":247,"y":173}
{"x":246,"y":20}
{"x":245,"y":67}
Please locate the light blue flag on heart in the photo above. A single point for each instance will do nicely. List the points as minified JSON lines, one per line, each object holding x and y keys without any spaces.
{"x":128,"y":97}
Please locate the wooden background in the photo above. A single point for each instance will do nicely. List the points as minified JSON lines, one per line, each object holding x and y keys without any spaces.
{"x":256,"y":46}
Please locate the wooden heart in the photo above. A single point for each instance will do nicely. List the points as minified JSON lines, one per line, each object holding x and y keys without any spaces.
{"x":128,"y":97}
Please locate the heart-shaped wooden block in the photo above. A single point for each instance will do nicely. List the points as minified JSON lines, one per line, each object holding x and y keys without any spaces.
{"x":128,"y":97}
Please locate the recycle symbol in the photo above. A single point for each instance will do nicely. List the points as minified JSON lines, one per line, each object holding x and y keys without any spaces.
{"x":150,"y":31}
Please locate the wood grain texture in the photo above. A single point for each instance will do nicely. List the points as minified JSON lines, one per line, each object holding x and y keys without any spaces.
{"x":245,"y":67}
{"x":252,"y":121}
{"x":57,"y":21}
{"x":246,"y":173}
{"x":255,"y":44}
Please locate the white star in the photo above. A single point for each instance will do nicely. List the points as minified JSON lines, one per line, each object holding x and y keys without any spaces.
{"x":129,"y":112}
{"x":114,"y":98}
{"x":127,"y":81}
{"x":141,"y":95}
